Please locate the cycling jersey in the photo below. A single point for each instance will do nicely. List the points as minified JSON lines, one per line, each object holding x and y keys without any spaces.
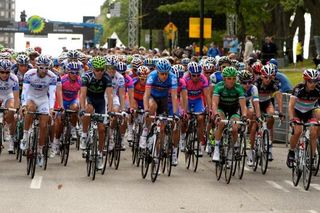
{"x":95,"y":88}
{"x":15,"y":70}
{"x":118,"y":82}
{"x":285,"y":85}
{"x":195,"y":89}
{"x":305,"y":100}
{"x":216,"y":78}
{"x":128,"y":81}
{"x":160,"y":89}
{"x":228,"y":98}
{"x":252,"y":93}
{"x":139,"y":89}
{"x":8,"y":87}
{"x":70,"y":89}
{"x":39,"y":90}
{"x":266,"y":91}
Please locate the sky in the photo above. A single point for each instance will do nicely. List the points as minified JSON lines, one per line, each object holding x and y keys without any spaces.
{"x":59,"y":10}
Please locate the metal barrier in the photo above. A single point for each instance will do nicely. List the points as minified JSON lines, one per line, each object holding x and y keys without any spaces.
{"x":281,"y":133}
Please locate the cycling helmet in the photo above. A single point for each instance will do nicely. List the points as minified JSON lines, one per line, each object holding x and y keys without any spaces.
{"x":273,"y":61}
{"x":74,"y":66}
{"x":211,"y":60}
{"x":44,"y":60}
{"x":245,"y":76}
{"x":311,"y":74}
{"x":98,"y":62}
{"x":229,"y":72}
{"x":73,"y":54}
{"x":194,"y":68}
{"x":121,"y":67}
{"x":148,"y":62}
{"x":5,"y":65}
{"x":185,"y":61}
{"x":136,"y":62}
{"x":235,"y":64}
{"x":82,"y":57}
{"x":256,"y":67}
{"x":143,"y":71}
{"x":5,"y":55}
{"x":242,"y":66}
{"x":129,"y":59}
{"x":208,"y":67}
{"x":178,"y":70}
{"x":23,"y":59}
{"x":163,"y":65}
{"x":223,"y":60}
{"x":268,"y":70}
{"x":55,"y":62}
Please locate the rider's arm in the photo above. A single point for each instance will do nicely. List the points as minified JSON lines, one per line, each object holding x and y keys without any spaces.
{"x":242,"y":102}
{"x":109,"y":92}
{"x":292,"y":102}
{"x":59,"y":95}
{"x":206,"y":92}
{"x":122,"y":98}
{"x":25,"y":89}
{"x":256,"y":105}
{"x":184,"y":100}
{"x":52,"y":95}
{"x":131,"y":99}
{"x":16,"y":99}
{"x":146,"y":97}
{"x":83,"y":95}
{"x":278,"y":96}
{"x":174,"y":100}
{"x":215,"y":103}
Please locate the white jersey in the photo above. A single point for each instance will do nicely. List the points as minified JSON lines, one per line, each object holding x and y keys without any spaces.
{"x":8,"y":87}
{"x":35,"y":87}
{"x":117,"y":83}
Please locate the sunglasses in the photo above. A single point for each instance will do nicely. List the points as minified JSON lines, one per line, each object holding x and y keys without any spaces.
{"x":195,"y":75}
{"x":267,"y":77}
{"x":4,"y":72}
{"x":312,"y":81}
{"x":99,"y":70}
{"x":230,"y":79}
{"x":163,"y":73}
{"x":74,"y":72}
{"x":43,"y":68}
{"x":246,"y":82}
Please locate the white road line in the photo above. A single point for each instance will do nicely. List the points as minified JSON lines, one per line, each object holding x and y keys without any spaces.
{"x":36,"y":182}
{"x":297,"y":187}
{"x":247,"y":169}
{"x":315,"y":186}
{"x":313,"y":211}
{"x":277,"y":186}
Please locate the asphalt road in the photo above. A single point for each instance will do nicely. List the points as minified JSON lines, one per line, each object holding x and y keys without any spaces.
{"x":68,"y":189}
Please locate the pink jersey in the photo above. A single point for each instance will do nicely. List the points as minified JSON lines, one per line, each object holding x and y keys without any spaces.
{"x":128,"y":81}
{"x":195,"y":89}
{"x":70,"y":89}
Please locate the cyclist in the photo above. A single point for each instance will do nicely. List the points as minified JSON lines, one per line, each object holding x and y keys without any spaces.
{"x":9,"y":98}
{"x":285,"y":85}
{"x":118,"y":85}
{"x":94,"y":85}
{"x":302,"y":107}
{"x":268,"y":87}
{"x":155,"y":99}
{"x":198,"y":92}
{"x":140,"y":86}
{"x":253,"y":108}
{"x":38,"y":95}
{"x":216,"y":77}
{"x":228,"y":97}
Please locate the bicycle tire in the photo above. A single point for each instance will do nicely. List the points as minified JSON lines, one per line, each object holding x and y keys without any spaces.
{"x":155,"y":164}
{"x":228,"y":167}
{"x":67,"y":142}
{"x":196,"y":150}
{"x":19,"y":131}
{"x":315,"y":172}
{"x":241,"y":162}
{"x":106,"y":150}
{"x":219,"y":164}
{"x":45,"y":152}
{"x":296,"y":171}
{"x":34,"y":152}
{"x":117,"y":149}
{"x":169,"y":159}
{"x":88,"y":158}
{"x":189,"y":149}
{"x":145,"y":161}
{"x":307,"y":165}
{"x":29,"y":154}
{"x":94,"y":156}
{"x":1,"y":137}
{"x":264,"y":147}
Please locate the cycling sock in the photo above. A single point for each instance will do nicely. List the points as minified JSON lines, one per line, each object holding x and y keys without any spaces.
{"x":217,"y":142}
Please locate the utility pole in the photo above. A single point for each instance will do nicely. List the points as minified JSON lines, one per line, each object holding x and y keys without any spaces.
{"x":201,"y":26}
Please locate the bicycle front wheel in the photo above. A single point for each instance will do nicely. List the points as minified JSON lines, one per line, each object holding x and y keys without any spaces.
{"x":34,"y":152}
{"x":155,"y":164}
{"x":241,"y":156}
{"x":296,"y":169}
{"x":229,"y":161}
{"x":117,"y":149}
{"x":264,"y":149}
{"x":317,"y":159}
{"x":307,"y":165}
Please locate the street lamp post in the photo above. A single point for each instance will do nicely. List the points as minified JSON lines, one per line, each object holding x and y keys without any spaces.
{"x":201,"y":26}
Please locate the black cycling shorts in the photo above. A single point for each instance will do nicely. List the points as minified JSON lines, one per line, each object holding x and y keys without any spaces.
{"x":99,"y":105}
{"x":162,"y":104}
{"x":305,"y":117}
{"x":264,"y":105}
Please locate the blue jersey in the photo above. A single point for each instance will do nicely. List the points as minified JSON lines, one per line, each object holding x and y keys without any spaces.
{"x":216,"y":78}
{"x":285,"y":85}
{"x":161,"y":89}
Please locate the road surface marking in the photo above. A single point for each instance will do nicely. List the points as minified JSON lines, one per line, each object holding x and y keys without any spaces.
{"x":277,"y":186}
{"x":315,"y":186}
{"x":247,"y":169}
{"x":313,"y":211}
{"x":297,"y":187}
{"x":36,"y":182}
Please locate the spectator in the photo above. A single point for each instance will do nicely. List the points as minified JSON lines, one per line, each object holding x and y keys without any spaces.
{"x":213,"y":50}
{"x":248,"y":49}
{"x":269,"y":50}
{"x":299,"y":52}
{"x":234,"y":45}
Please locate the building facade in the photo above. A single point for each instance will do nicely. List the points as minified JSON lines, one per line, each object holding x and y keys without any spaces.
{"x":7,"y":12}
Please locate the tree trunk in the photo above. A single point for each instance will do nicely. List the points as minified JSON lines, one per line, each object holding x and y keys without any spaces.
{"x":242,"y":25}
{"x":313,"y":7}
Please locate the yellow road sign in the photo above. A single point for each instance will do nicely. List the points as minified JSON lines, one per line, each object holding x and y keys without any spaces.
{"x":194,"y":27}
{"x":170,"y":29}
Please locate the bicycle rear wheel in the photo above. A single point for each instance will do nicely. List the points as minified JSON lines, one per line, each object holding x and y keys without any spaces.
{"x":94,"y":156}
{"x":264,"y":147}
{"x":169,"y":159}
{"x":117,"y":149}
{"x":34,"y":153}
{"x":317,"y":159}
{"x":296,"y":169}
{"x":189,"y":153}
{"x":106,"y":150}
{"x":89,"y":157}
{"x":1,"y":137}
{"x":307,"y":165}
{"x":45,"y":151}
{"x":241,"y":158}
{"x":196,"y":150}
{"x":229,"y":162}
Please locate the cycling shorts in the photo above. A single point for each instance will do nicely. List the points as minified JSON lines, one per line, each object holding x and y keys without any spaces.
{"x":196,"y":105}
{"x":67,"y":104}
{"x":162,"y":104}
{"x":99,"y":105}
{"x":265,"y":105}
{"x":305,"y":117}
{"x":234,"y":113}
